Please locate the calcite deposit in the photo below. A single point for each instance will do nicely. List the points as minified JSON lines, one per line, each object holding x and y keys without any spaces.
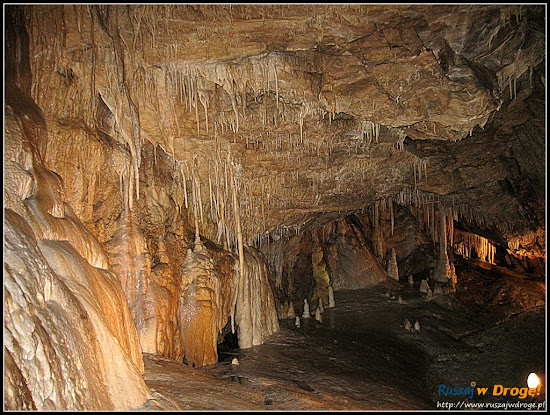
{"x":176,"y":174}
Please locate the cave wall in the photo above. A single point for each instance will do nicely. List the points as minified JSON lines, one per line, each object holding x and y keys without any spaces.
{"x":69,"y":335}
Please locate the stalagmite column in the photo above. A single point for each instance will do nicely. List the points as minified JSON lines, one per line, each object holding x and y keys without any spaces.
{"x":200,"y":307}
{"x":306,"y":314}
{"x":331,"y":302}
{"x":291,"y":312}
{"x":255,"y":313}
{"x":442,"y":271}
{"x":393,"y":271}
{"x":318,"y":316}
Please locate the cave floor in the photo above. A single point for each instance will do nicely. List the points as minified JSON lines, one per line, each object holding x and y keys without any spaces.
{"x":361,"y":358}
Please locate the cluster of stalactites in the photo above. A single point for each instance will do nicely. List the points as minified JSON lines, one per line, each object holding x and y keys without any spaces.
{"x":521,"y":242}
{"x":220,"y":205}
{"x":194,"y":85}
{"x":424,"y":206}
{"x":466,"y":243}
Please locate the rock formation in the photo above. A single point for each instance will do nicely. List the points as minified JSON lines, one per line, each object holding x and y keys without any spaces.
{"x":424,"y":287}
{"x":199,"y":312}
{"x":306,"y":313}
{"x":393,"y":271}
{"x":291,"y":312}
{"x":331,"y":302}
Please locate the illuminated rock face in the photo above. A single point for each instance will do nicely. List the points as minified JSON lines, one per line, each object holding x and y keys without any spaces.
{"x":69,"y":338}
{"x":70,"y":341}
{"x":352,"y":265}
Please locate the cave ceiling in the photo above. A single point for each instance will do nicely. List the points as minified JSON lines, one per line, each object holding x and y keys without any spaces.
{"x":309,"y":112}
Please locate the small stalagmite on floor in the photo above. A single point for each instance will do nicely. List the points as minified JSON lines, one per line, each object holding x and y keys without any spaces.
{"x":306,"y":314}
{"x":331,"y":302}
{"x":318,"y":315}
{"x":291,"y":312}
{"x":424,"y":287}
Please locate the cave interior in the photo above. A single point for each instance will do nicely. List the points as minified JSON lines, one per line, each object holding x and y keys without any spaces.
{"x":285,"y":206}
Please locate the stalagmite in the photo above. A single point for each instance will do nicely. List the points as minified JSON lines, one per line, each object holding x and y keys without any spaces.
{"x":454,"y":278}
{"x":291,"y":312}
{"x":318,"y":315}
{"x":442,"y":270}
{"x":429,"y":294}
{"x":393,"y":271}
{"x":306,"y":314}
{"x":331,"y":302}
{"x":411,"y":280}
{"x":199,"y":309}
{"x":297,"y":321}
{"x":407,"y":325}
{"x":417,"y":326}
{"x":424,"y":287}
